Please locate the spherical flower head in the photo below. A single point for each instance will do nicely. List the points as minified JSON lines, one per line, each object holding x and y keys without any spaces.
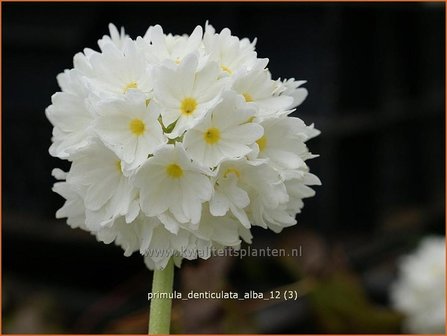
{"x":178,"y":144}
{"x":419,"y":293}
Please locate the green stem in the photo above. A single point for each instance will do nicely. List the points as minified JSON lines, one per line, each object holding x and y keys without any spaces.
{"x":160,"y":313}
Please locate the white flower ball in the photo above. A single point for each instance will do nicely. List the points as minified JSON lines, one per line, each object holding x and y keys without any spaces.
{"x":178,"y":144}
{"x":419,"y":292}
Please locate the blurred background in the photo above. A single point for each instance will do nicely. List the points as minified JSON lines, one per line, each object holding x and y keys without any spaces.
{"x":376,"y":86}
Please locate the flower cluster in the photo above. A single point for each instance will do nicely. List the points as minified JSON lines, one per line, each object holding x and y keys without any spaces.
{"x":419,"y":293}
{"x":178,"y":143}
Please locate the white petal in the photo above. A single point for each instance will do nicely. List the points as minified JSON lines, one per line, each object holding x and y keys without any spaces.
{"x":219,"y":204}
{"x":244,"y":134}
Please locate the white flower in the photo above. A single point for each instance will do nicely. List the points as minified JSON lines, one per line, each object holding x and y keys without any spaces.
{"x":169,"y":181}
{"x":242,"y":183}
{"x":220,"y":230}
{"x":291,"y":87}
{"x":228,"y":194}
{"x":186,"y":93}
{"x":107,"y":193}
{"x":283,"y":144}
{"x":419,"y":293}
{"x":116,"y":37}
{"x":81,"y":63}
{"x":159,"y":47}
{"x":224,"y":133}
{"x":298,"y":189}
{"x":134,"y":236}
{"x":257,"y":87}
{"x":117,"y":70}
{"x":73,"y":208}
{"x":130,"y":127}
{"x":178,"y":144}
{"x":165,"y":245}
{"x":232,"y":55}
{"x":71,"y":116}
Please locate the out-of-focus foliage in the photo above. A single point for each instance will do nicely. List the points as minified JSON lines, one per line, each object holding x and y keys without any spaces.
{"x":341,"y":306}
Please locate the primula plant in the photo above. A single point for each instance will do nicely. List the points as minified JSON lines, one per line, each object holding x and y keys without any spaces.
{"x":178,"y":145}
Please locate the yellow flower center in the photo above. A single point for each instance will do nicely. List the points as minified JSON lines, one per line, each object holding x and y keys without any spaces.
{"x":233,"y":171}
{"x":262,"y":142}
{"x":248,"y":97}
{"x":131,"y":85}
{"x":174,"y":170}
{"x":188,"y":106}
{"x":118,"y":166}
{"x":212,"y":135}
{"x":137,"y":126}
{"x":226,"y":69}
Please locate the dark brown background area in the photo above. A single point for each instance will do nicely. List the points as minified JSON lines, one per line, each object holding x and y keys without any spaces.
{"x":376,"y":91}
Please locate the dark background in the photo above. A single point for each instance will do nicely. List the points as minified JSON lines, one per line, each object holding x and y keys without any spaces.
{"x":376,"y":91}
